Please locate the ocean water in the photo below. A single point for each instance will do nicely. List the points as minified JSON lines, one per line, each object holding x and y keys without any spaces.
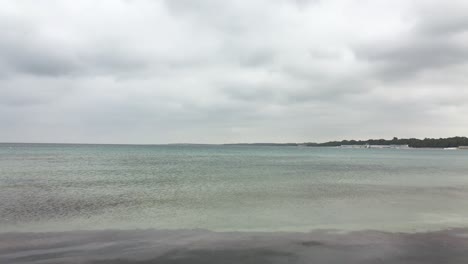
{"x":49,"y":187}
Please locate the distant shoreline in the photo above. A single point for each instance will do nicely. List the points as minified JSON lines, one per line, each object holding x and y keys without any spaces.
{"x":430,"y":143}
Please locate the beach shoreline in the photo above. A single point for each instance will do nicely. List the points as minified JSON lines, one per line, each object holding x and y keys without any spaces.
{"x":202,"y":246}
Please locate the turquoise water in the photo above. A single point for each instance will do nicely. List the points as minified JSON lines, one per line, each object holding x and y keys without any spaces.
{"x":230,"y":188}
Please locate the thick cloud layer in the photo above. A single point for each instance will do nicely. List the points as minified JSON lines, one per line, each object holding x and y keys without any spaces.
{"x":141,"y":71}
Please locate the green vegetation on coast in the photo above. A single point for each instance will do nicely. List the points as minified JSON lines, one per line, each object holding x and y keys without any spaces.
{"x":452,"y":142}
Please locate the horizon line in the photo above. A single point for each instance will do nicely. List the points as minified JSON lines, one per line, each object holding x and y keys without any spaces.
{"x":214,"y":144}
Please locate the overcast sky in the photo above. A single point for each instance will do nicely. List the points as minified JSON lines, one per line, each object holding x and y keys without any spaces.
{"x":211,"y":71}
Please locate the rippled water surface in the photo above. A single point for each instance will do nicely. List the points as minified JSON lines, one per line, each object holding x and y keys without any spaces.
{"x":230,"y":188}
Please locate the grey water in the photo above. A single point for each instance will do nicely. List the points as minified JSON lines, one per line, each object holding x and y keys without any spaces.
{"x":56,"y":187}
{"x":128,"y":204}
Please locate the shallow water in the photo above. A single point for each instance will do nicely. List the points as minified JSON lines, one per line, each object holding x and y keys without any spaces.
{"x":230,"y":188}
{"x":198,"y":246}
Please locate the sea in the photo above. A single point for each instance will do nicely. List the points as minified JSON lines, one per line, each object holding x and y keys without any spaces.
{"x":225,"y":189}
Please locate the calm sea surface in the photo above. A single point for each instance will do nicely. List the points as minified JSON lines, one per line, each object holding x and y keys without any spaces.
{"x":230,"y":188}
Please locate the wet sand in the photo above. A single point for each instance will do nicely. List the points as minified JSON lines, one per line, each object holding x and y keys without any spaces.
{"x":200,"y":246}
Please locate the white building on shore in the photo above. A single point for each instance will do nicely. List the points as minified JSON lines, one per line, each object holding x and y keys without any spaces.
{"x":376,"y":146}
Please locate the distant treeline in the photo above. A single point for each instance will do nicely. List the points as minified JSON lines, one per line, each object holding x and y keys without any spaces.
{"x":451,"y":142}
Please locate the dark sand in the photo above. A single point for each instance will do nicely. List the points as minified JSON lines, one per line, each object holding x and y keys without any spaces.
{"x":199,"y":246}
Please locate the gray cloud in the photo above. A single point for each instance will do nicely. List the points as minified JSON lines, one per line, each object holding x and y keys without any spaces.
{"x":436,"y":39}
{"x":183,"y":71}
{"x":405,"y":58}
{"x":435,"y":18}
{"x":22,"y":51}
